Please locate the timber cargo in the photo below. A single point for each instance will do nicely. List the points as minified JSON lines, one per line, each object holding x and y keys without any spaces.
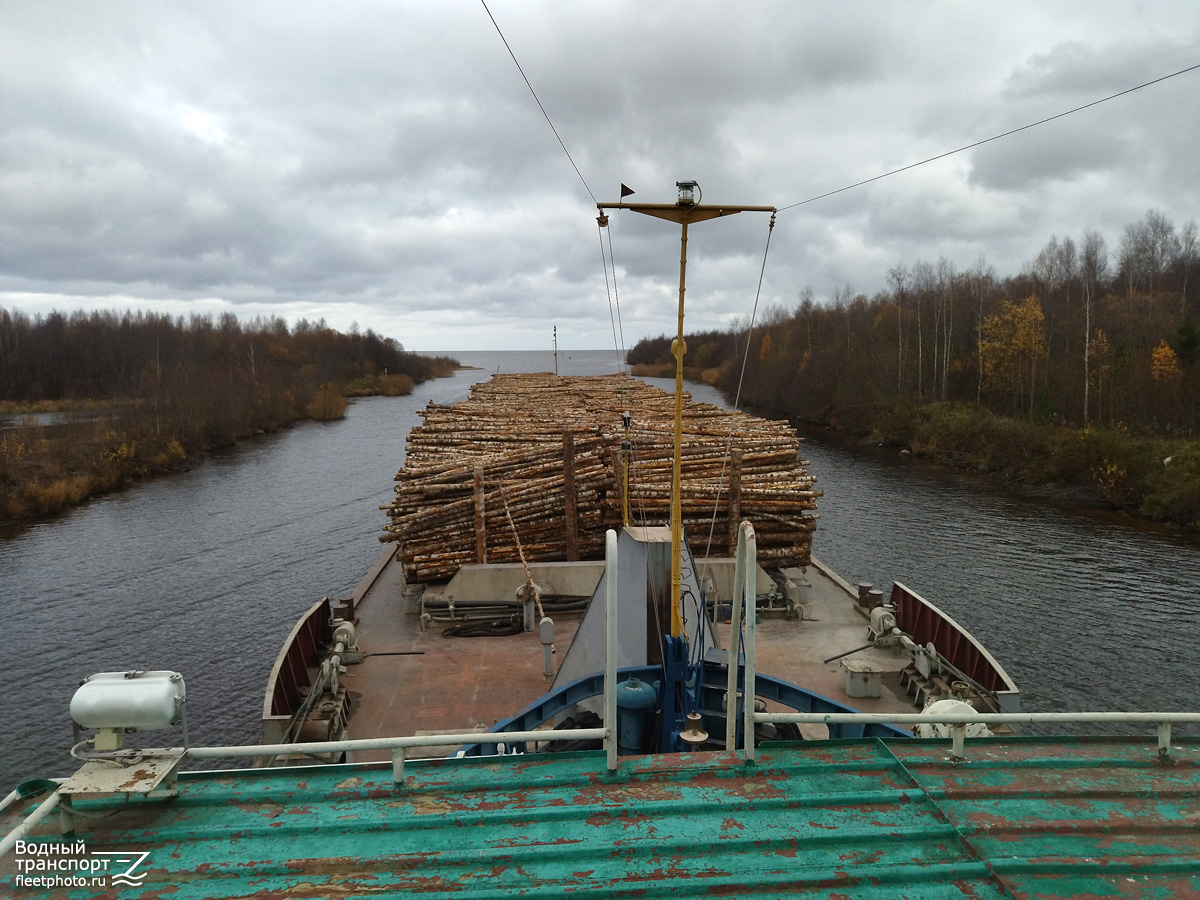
{"x":542,"y":465}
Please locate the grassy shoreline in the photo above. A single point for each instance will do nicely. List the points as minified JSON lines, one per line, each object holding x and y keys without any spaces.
{"x":1153,"y":478}
{"x":49,"y":469}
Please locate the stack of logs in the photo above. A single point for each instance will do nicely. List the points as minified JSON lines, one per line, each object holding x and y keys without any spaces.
{"x":541,"y":455}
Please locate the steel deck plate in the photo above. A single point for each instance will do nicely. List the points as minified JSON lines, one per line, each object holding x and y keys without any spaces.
{"x":1024,"y":817}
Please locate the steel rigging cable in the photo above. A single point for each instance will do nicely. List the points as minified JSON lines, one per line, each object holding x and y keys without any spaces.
{"x":995,"y":137}
{"x":539,"y":102}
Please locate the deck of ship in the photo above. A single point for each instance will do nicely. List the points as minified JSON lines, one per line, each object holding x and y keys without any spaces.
{"x":463,"y":684}
{"x":867,"y":818}
{"x":448,"y":684}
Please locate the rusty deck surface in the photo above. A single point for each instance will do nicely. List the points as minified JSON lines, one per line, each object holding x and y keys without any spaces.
{"x":1020,"y":818}
{"x":464,"y":684}
{"x":450,"y":685}
{"x":796,"y":651}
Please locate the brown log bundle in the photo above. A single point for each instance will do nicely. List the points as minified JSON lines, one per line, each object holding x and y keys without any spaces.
{"x":507,"y":443}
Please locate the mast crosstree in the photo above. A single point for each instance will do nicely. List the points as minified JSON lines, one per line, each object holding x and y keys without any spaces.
{"x":686,"y":211}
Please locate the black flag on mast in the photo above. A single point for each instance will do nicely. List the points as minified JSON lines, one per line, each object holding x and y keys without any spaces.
{"x":626,"y":191}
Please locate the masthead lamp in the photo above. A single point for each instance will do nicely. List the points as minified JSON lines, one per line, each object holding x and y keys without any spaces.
{"x":684,"y":211}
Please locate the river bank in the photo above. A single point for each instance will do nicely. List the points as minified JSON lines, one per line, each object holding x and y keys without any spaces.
{"x":1154,"y":479}
{"x":1149,"y":477}
{"x":1101,"y":468}
{"x":57,"y":457}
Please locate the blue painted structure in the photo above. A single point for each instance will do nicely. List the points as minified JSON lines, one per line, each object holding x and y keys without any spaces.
{"x":546,"y":707}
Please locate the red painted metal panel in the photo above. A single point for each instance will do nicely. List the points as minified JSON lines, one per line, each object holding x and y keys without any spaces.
{"x":925,"y":625}
{"x":301,"y":653}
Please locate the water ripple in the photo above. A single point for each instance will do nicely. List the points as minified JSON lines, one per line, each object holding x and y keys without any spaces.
{"x":205,"y":572}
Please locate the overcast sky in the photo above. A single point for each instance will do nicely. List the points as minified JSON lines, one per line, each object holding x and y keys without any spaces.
{"x":385,"y":164}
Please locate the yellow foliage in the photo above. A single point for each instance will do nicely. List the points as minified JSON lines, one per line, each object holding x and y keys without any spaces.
{"x":765,"y":348}
{"x":1100,"y":350}
{"x":11,"y":449}
{"x":126,"y":450}
{"x":326,"y":404}
{"x":395,"y":385}
{"x":60,"y":493}
{"x":1164,"y":364}
{"x":1113,"y":482}
{"x":1011,"y":343}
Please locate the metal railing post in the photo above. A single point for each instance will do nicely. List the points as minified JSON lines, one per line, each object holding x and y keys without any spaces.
{"x":610,"y":649}
{"x":958,"y":738}
{"x":749,"y":589}
{"x":398,"y":765}
{"x":735,"y":629}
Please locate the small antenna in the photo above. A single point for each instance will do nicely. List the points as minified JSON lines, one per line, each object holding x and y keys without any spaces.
{"x":555,"y":349}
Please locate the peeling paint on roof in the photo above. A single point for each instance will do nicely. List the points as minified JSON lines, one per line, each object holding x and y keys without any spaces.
{"x":1023,"y":817}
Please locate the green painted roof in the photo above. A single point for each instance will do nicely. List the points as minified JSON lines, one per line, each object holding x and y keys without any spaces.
{"x":1023,"y":817}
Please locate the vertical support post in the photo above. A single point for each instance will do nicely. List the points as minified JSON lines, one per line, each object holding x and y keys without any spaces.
{"x":1164,"y":739}
{"x":398,"y":765}
{"x":735,"y":624}
{"x":66,"y":816}
{"x":610,"y":648}
{"x":678,"y":349}
{"x":749,"y":587}
{"x":480,"y":520}
{"x":734,"y":513}
{"x":570,"y":505}
{"x":958,"y":739}
{"x":623,"y":472}
{"x":546,"y":634}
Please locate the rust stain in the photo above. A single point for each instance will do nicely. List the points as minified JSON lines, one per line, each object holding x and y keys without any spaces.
{"x":138,"y":775}
{"x":625,"y":820}
{"x":790,"y":848}
{"x":628,"y":794}
{"x":511,"y":843}
{"x":755,"y":789}
{"x":430,"y":806}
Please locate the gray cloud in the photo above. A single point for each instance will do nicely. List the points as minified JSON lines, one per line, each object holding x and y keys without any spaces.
{"x":384,"y":163}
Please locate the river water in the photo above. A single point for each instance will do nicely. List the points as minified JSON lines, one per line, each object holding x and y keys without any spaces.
{"x":205,"y":572}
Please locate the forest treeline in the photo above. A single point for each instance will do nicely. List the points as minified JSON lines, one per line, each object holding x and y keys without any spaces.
{"x":136,"y":392}
{"x":1083,"y":368}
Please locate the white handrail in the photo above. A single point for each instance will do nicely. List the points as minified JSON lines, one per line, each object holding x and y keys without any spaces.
{"x":394,"y":743}
{"x":1027,"y":718}
{"x":958,"y":722}
{"x":735,"y":630}
{"x":749,"y":591}
{"x":30,"y":822}
{"x":610,"y":648}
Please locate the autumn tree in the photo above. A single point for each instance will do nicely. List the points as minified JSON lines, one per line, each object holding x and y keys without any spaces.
{"x":1014,"y":342}
{"x":1093,"y":269}
{"x":1164,"y":364}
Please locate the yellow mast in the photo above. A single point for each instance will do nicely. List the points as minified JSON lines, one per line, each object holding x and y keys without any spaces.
{"x":685,"y":211}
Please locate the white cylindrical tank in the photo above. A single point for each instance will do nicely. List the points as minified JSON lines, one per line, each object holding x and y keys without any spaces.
{"x":144,"y":700}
